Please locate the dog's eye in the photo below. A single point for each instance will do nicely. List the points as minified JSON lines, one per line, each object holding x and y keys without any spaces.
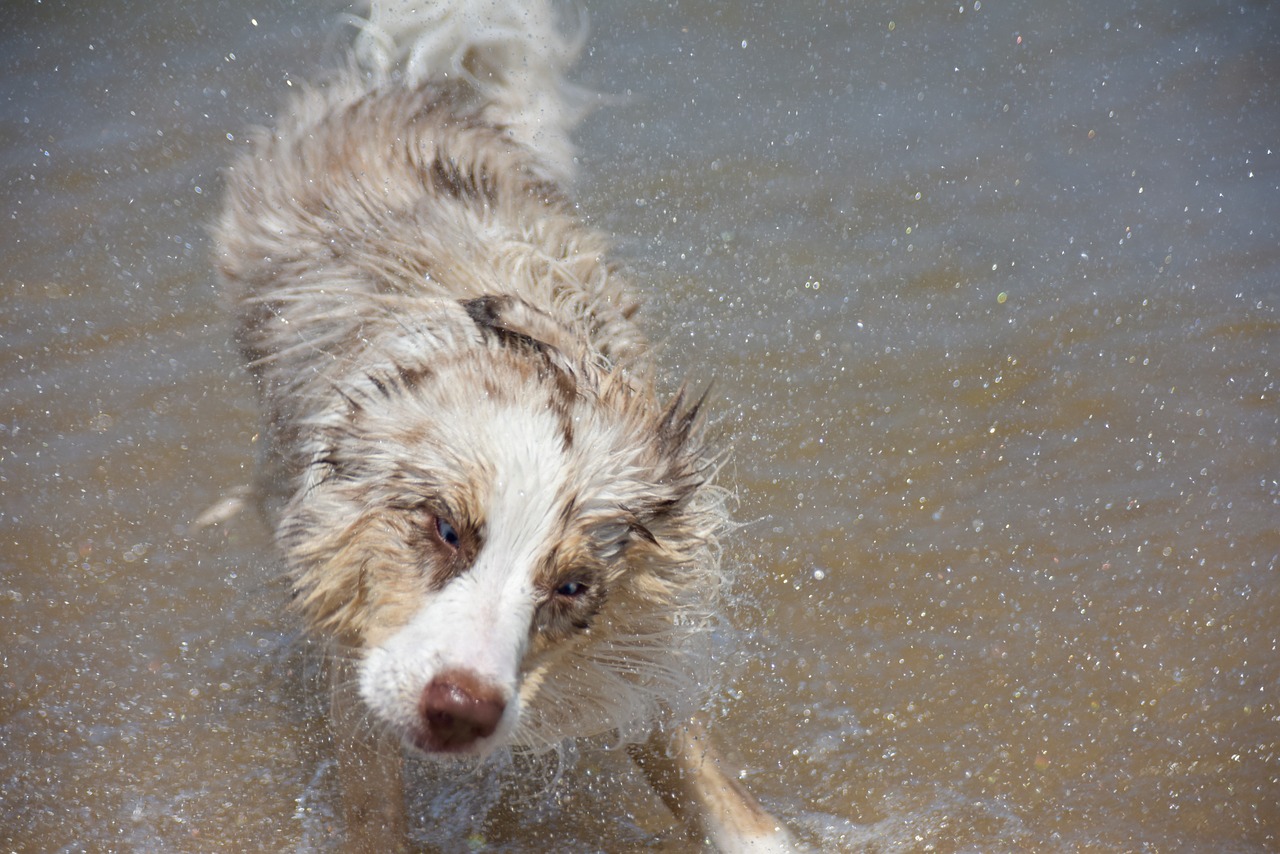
{"x":571,"y":589}
{"x":447,"y":533}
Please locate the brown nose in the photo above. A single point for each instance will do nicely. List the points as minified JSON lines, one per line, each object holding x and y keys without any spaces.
{"x":456,"y":710}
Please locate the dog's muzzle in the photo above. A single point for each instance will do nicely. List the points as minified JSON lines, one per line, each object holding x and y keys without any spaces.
{"x":456,"y":710}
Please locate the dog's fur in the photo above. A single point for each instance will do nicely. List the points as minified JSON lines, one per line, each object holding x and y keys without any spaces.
{"x":507,"y":538}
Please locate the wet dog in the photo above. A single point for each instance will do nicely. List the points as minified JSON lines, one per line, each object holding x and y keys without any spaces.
{"x":506,"y":537}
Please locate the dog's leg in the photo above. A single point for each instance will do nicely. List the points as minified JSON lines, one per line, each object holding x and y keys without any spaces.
{"x":370,"y":771}
{"x":685,"y":770}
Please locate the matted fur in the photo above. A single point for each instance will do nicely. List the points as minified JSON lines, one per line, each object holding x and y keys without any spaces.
{"x":406,"y":269}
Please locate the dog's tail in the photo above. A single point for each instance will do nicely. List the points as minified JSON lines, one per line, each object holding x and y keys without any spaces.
{"x":514,"y":53}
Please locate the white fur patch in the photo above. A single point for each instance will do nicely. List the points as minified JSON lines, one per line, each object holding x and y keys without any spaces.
{"x":480,"y":621}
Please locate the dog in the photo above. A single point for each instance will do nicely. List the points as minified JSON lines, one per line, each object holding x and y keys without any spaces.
{"x":504,"y":536}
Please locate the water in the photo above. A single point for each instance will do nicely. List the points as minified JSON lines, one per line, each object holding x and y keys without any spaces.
{"x":989,"y":296}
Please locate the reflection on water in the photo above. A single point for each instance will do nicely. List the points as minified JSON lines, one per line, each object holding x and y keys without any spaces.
{"x":989,"y":295}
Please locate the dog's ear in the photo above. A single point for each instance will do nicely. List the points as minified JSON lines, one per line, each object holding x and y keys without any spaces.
{"x":515,"y":323}
{"x":681,"y":424}
{"x":683,"y":466}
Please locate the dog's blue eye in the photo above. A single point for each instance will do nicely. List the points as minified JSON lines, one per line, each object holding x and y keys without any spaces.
{"x":571,"y":589}
{"x":447,"y":533}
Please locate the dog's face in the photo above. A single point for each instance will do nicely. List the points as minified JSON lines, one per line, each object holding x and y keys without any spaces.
{"x":517,"y":548}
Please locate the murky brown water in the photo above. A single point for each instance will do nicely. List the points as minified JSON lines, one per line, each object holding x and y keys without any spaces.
{"x":989,"y":293}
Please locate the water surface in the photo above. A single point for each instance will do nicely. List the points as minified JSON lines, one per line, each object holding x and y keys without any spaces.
{"x":989,"y":296}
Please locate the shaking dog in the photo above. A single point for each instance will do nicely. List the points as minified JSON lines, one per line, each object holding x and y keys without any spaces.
{"x":504,"y":535}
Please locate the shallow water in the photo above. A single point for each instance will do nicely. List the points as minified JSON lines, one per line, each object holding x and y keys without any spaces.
{"x":989,"y":298}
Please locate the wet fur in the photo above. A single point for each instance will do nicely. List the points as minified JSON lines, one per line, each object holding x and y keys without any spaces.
{"x":438,"y":337}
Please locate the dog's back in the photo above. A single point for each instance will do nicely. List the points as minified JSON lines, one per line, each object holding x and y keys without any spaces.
{"x":431,"y":166}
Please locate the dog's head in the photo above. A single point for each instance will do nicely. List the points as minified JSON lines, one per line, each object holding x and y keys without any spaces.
{"x":516,"y":542}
